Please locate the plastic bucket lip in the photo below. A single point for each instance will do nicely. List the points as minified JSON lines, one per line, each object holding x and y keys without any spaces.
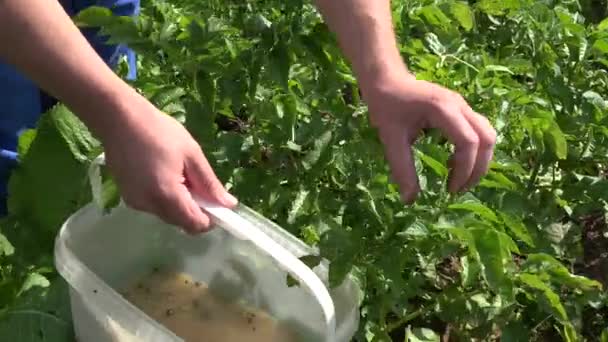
{"x":93,"y":289}
{"x":86,"y":283}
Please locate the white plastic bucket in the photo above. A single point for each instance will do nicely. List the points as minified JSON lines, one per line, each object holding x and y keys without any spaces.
{"x":246,"y":258}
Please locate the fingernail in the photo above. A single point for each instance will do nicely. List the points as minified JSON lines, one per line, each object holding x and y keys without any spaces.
{"x":231,"y":200}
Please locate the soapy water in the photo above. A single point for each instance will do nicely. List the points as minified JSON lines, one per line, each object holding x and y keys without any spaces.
{"x":195,"y":313}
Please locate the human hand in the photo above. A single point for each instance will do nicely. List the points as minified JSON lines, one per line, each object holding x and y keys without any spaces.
{"x":401,"y":106}
{"x":158,"y":165}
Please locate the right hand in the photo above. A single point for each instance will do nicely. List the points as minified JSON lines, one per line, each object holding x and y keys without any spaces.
{"x":158,"y":166}
{"x":401,"y":107}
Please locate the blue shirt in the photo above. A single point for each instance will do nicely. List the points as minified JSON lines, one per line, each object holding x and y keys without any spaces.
{"x":22,"y":102}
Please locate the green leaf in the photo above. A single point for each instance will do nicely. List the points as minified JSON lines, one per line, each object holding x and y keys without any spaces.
{"x":498,"y":68}
{"x":319,"y":148}
{"x":421,"y":335}
{"x":517,"y":228}
{"x":25,"y":141}
{"x":63,"y":148}
{"x":471,"y":269}
{"x":498,"y":7}
{"x":548,"y":294}
{"x":311,"y":261}
{"x":43,"y":314}
{"x":279,"y":65}
{"x":34,"y":280}
{"x":168,"y":95}
{"x":476,"y":208}
{"x":569,"y":333}
{"x":557,"y":141}
{"x":494,"y":256}
{"x":75,"y":133}
{"x":604,"y":337}
{"x":601,"y":45}
{"x":515,"y":332}
{"x":415,"y":229}
{"x":462,"y":12}
{"x":297,"y":205}
{"x":603,"y":25}
{"x":540,"y":262}
{"x":94,"y":16}
{"x":5,"y":246}
{"x":436,"y":166}
{"x":435,"y":16}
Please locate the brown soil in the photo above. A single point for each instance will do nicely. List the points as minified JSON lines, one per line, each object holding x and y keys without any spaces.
{"x":595,"y":266}
{"x":595,"y":246}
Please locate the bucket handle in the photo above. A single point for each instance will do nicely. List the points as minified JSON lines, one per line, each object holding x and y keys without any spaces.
{"x":242,"y":229}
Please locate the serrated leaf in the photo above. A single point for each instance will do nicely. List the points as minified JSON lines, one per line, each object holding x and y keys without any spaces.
{"x":63,"y":148}
{"x":76,"y":135}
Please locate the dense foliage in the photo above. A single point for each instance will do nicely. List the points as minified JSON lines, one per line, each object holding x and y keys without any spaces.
{"x":264,"y":88}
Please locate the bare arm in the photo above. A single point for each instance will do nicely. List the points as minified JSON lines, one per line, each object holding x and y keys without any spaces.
{"x":366,"y":35}
{"x":400,"y":106}
{"x":39,"y":38}
{"x":155,"y":161}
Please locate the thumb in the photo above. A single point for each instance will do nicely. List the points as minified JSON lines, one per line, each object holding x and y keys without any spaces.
{"x":205,"y":183}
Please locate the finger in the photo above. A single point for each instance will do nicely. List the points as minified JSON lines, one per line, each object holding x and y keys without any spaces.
{"x":487,"y":140}
{"x":205,"y":183}
{"x":397,"y":147}
{"x":457,"y":128}
{"x":176,"y":206}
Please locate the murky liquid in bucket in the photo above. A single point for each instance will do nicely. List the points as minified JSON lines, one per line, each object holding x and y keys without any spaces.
{"x":195,"y":313}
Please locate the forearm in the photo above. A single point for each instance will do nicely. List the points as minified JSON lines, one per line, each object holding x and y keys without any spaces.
{"x":40,"y":39}
{"x":365,"y":33}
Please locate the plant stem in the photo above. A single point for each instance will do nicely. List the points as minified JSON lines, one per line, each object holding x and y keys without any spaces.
{"x":534,"y":175}
{"x":407,"y":318}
